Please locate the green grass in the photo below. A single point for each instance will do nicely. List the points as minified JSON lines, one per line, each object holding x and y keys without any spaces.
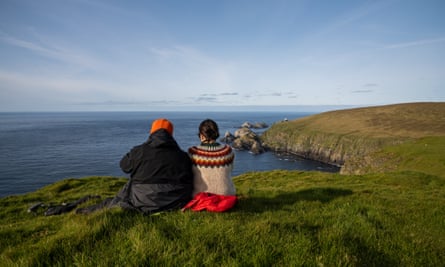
{"x":425,"y":155}
{"x":408,"y":120}
{"x":282,"y":218}
{"x":347,"y":137}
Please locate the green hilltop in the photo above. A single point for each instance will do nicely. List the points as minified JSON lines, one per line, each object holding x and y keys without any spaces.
{"x":358,"y":139}
{"x":387,"y":211}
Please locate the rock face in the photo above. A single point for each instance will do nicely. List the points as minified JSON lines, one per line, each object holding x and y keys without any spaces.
{"x":324,"y":147}
{"x":245,"y":139}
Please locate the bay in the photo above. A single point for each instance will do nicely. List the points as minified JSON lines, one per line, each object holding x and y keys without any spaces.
{"x":37,"y":149}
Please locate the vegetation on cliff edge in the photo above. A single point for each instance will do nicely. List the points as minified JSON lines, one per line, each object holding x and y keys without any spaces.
{"x":347,"y":137}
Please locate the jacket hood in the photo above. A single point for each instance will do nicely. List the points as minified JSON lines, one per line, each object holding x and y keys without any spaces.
{"x":161,"y":138}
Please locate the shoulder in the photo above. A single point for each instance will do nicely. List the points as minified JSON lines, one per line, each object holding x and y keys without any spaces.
{"x":211,"y":150}
{"x":212,"y":156}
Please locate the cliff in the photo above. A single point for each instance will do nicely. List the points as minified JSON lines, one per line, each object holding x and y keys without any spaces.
{"x":349,"y":138}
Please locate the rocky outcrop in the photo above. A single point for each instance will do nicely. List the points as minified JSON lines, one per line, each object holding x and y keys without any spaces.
{"x":256,"y":125}
{"x":246,"y":139}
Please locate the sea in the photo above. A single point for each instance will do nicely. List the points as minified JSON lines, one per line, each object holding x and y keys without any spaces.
{"x":37,"y":149}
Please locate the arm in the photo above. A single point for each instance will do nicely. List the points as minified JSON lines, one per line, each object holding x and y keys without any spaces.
{"x":126,"y":163}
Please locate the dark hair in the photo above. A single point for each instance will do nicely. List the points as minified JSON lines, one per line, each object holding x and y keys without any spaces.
{"x":209,"y":129}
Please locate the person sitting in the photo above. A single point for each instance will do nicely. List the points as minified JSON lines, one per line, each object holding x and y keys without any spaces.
{"x":161,"y":176}
{"x":212,"y":162}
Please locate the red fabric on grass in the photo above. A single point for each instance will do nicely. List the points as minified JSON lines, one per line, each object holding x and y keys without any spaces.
{"x":211,"y":202}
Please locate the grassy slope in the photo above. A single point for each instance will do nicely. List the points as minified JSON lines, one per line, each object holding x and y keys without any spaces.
{"x":282,"y":218}
{"x":411,"y":120}
{"x":425,"y":155}
{"x":346,"y":137}
{"x":393,"y":216}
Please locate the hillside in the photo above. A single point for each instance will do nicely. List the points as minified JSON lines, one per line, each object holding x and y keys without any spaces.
{"x":349,"y":138}
{"x":283,"y":218}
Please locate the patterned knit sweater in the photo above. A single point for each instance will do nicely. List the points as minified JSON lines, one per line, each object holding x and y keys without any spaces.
{"x":212,"y":169}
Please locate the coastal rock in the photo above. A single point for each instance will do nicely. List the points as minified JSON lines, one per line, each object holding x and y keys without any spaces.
{"x":246,"y":125}
{"x":228,"y":138}
{"x":244,"y":139}
{"x":256,"y":125}
{"x":257,"y":148}
{"x":260,"y":125}
{"x":243,"y":132}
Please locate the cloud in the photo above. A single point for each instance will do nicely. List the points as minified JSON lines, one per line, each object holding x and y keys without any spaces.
{"x":220,"y":94}
{"x":207,"y":99}
{"x":368,"y":89}
{"x":229,"y":94}
{"x":271,"y":94}
{"x":49,"y":49}
{"x":213,"y":98}
{"x":416,"y":43}
{"x":362,"y":91}
{"x":352,"y":16}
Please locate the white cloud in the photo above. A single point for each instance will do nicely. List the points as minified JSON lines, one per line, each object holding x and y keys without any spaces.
{"x":50,"y":49}
{"x":420,"y":42}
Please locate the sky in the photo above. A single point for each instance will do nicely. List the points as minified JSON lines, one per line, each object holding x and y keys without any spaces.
{"x":107,"y":55}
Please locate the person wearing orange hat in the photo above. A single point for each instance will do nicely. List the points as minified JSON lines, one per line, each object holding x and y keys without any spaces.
{"x":162,"y":124}
{"x":161,"y":176}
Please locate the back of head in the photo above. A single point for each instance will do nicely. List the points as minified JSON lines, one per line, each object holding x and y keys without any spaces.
{"x":209,"y":129}
{"x":162,"y":124}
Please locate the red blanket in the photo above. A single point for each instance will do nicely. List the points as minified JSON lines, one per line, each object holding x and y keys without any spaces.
{"x":211,"y":202}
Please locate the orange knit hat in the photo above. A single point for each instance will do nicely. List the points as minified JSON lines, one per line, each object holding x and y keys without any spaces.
{"x":162,"y":124}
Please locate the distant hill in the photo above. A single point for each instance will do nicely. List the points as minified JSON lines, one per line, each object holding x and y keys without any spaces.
{"x":350,"y":138}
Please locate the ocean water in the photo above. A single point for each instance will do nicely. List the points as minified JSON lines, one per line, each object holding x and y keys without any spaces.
{"x":37,"y":149}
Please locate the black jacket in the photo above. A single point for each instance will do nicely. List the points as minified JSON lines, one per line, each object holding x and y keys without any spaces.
{"x":161,"y":175}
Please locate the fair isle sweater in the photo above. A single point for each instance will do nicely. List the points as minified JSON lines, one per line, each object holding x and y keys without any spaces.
{"x":212,"y":169}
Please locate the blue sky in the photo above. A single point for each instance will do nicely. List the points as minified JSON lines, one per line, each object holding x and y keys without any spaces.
{"x":151,"y":55}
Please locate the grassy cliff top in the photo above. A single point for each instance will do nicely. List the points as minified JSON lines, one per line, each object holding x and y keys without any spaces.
{"x":411,"y":120}
{"x":282,"y":218}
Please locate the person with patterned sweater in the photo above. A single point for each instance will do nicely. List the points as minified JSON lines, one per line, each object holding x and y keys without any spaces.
{"x":212,"y":162}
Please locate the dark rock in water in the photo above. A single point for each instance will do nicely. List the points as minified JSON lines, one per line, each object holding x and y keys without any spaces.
{"x":256,"y":125}
{"x":257,"y":148}
{"x":228,"y":138}
{"x":260,"y":125}
{"x":246,"y":125}
{"x":246,"y":139}
{"x":243,"y":132}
